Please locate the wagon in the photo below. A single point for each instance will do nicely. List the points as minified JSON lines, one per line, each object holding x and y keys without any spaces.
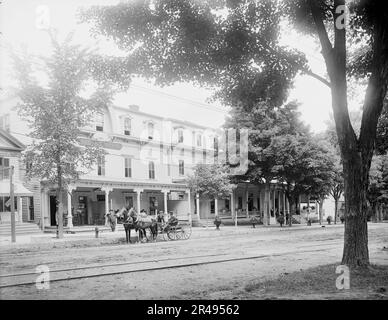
{"x":181,"y":231}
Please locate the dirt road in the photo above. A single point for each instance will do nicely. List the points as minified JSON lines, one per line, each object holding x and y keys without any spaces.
{"x":236,"y":260}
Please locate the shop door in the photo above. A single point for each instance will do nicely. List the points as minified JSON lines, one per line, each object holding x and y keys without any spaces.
{"x":53,"y":210}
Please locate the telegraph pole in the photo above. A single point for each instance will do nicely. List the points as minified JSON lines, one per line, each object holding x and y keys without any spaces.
{"x":12,"y":199}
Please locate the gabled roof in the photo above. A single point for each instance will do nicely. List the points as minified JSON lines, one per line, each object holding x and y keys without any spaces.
{"x":9,"y":142}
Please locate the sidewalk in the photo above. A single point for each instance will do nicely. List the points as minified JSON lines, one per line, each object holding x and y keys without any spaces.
{"x":88,"y":239}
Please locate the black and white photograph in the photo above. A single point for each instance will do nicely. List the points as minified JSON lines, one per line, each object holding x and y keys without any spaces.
{"x":193,"y":155}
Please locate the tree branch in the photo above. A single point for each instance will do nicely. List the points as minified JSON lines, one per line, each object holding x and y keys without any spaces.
{"x":316,"y":76}
{"x":326,"y":45}
{"x":376,"y":91}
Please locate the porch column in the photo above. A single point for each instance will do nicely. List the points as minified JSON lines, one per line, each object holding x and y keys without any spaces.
{"x":198,"y":211}
{"x":246,"y":198}
{"x":138,"y":192}
{"x":234,"y":214}
{"x":107,"y":190}
{"x":279,"y":201}
{"x":70,"y":189}
{"x":274,"y":201}
{"x":165,"y":201}
{"x":266,"y":205}
{"x":284,"y":203}
{"x":44,"y":211}
{"x":216,"y":206}
{"x":20,"y":209}
{"x":189,"y":204}
{"x":42,"y":201}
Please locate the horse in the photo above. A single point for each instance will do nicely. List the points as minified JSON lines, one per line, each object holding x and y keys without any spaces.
{"x":149,"y":223}
{"x":128,"y":222}
{"x":133,"y":221}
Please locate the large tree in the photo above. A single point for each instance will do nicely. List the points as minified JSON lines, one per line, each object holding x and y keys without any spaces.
{"x":234,"y":45}
{"x":304,"y":165}
{"x":264,"y":124}
{"x":56,"y":111}
{"x":211,"y":181}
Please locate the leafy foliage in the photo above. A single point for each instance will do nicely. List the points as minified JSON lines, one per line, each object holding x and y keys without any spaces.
{"x":56,"y":111}
{"x":211,"y":181}
{"x":231,"y":46}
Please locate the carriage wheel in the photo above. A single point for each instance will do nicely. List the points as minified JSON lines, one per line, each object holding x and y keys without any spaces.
{"x":185,"y":232}
{"x":172,"y":234}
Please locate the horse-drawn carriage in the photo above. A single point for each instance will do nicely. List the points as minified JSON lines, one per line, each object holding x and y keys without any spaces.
{"x":149,"y":228}
{"x":179,"y":231}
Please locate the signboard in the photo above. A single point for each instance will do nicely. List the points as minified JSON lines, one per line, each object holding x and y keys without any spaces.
{"x":174,"y":195}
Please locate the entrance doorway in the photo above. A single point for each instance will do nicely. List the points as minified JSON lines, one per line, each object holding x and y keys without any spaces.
{"x":30,"y":205}
{"x":129,"y":201}
{"x":53,"y":210}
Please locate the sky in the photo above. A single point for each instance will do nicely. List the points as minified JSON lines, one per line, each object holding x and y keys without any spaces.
{"x":19,"y":21}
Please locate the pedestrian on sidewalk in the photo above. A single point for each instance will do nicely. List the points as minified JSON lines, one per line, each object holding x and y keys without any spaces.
{"x":112,"y":219}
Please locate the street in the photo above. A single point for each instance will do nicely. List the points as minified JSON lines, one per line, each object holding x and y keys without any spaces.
{"x":209,"y":267}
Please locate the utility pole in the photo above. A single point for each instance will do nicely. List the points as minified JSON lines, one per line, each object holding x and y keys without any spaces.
{"x":12,"y":199}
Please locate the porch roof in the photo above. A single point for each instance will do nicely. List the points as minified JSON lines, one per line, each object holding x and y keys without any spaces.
{"x":130,"y":184}
{"x":19,"y":189}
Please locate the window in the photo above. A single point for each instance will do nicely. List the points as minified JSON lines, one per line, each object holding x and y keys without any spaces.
{"x":127,"y":126}
{"x":250,"y":202}
{"x":101,"y":166}
{"x":150,"y":130}
{"x":212,"y":206}
{"x":181,"y":167}
{"x":240,"y":203}
{"x":99,"y":121}
{"x":4,"y":122}
{"x":5,"y":204}
{"x":151,"y":170}
{"x":199,"y":140}
{"x":4,"y":168}
{"x":180,"y":136}
{"x":128,"y":167}
{"x":227,"y":204}
{"x":168,"y":163}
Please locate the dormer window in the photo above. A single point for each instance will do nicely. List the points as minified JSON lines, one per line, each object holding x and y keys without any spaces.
{"x":99,"y":121}
{"x":150,"y":130}
{"x":127,"y":126}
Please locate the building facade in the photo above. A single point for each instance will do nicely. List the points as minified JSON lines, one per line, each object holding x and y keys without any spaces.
{"x":24,"y":199}
{"x":145,"y":166}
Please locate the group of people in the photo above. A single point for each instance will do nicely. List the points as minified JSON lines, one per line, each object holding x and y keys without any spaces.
{"x":163,"y":220}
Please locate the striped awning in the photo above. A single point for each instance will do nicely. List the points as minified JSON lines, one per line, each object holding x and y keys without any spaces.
{"x":19,"y":190}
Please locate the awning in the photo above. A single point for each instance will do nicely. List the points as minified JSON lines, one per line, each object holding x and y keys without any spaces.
{"x":19,"y":190}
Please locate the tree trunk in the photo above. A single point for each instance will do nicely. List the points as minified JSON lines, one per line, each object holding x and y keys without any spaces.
{"x":320,"y":210}
{"x":335,"y":210}
{"x":60,"y":204}
{"x":356,"y":229}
